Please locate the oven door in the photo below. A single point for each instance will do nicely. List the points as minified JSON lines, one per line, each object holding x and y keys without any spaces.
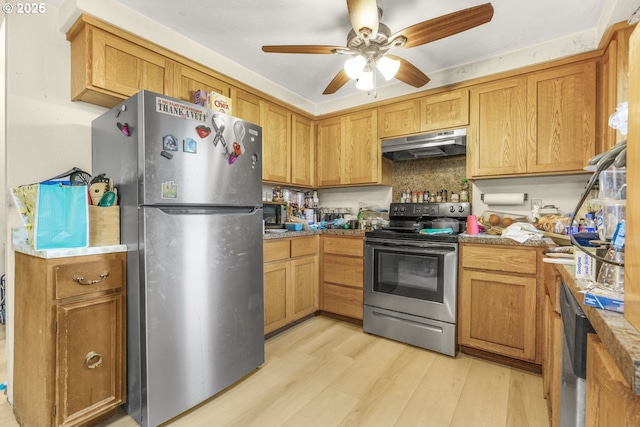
{"x":414,"y":277}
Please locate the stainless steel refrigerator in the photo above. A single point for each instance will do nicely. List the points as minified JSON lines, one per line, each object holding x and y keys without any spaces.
{"x":189,"y":185}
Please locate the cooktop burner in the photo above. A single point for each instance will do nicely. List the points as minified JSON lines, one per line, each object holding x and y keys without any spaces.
{"x":407,"y":219}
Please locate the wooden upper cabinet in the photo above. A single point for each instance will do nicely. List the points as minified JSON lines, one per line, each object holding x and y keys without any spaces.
{"x":361,"y":153}
{"x":303,"y":151}
{"x":608,"y":97}
{"x":186,"y":81}
{"x":497,"y":128}
{"x":561,"y":111}
{"x":349,"y":151}
{"x":246,"y":106}
{"x":444,"y":110}
{"x":613,"y":84}
{"x":106,"y":69}
{"x":330,"y":137}
{"x":402,"y":118}
{"x":276,"y":144}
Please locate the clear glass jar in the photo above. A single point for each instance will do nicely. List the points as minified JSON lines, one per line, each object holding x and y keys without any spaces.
{"x":464,"y":190}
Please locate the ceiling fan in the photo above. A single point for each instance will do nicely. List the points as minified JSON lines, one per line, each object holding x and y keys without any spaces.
{"x":370,"y":41}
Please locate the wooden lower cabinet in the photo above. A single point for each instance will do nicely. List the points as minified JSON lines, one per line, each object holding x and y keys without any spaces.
{"x":69,"y":364}
{"x":610,"y":400}
{"x":290,"y":280}
{"x":342,"y":275}
{"x":498,"y":294}
{"x":552,"y":344}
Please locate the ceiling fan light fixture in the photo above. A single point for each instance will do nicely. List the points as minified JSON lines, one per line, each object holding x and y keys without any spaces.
{"x":354,"y":66}
{"x":365,"y":82}
{"x":388,"y":67}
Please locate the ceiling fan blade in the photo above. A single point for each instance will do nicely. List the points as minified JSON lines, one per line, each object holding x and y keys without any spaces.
{"x":363,"y":14}
{"x":338,"y":81}
{"x":446,"y":25}
{"x":409,"y":73}
{"x":302,"y":49}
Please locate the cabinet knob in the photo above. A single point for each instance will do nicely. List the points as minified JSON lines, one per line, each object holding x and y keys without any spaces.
{"x":92,"y":360}
{"x":83,"y":281}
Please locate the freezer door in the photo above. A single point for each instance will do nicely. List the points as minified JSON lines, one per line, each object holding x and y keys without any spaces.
{"x":195,"y":156}
{"x":204,"y":305}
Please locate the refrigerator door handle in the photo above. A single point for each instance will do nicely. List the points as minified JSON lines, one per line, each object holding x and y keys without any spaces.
{"x":213,"y":210}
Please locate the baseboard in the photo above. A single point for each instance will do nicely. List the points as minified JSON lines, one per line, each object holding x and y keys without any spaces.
{"x":503,"y":360}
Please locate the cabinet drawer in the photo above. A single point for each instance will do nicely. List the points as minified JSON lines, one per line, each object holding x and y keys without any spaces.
{"x":512,"y":259}
{"x":275,"y":250}
{"x":343,"y":246}
{"x":342,"y":300}
{"x":343,"y":270}
{"x":302,"y":246}
{"x":83,"y":278}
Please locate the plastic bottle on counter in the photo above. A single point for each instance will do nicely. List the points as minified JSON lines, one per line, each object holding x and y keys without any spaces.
{"x":611,"y":276}
{"x":575,"y":226}
{"x":589,"y":225}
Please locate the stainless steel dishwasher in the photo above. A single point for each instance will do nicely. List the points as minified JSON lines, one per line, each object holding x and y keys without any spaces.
{"x":575,"y":327}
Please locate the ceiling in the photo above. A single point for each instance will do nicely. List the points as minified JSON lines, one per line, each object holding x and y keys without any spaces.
{"x":237,"y":29}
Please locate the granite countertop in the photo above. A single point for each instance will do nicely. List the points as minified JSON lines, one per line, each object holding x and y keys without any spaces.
{"x":620,"y":337}
{"x":490,"y":239}
{"x":334,"y":231}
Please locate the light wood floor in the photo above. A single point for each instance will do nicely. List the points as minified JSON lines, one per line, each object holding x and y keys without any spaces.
{"x":326,"y":373}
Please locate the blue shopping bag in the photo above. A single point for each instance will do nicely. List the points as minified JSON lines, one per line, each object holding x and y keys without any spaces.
{"x":61,"y":217}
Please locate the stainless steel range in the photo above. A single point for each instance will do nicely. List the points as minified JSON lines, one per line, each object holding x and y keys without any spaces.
{"x":411,"y":275}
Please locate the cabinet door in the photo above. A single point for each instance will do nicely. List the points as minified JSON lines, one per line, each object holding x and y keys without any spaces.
{"x":361,"y":149}
{"x":342,"y":300}
{"x":276,"y":143}
{"x":305,"y":286}
{"x":497,"y":129}
{"x":303,"y":151}
{"x":498,"y":313}
{"x":402,"y":118}
{"x":277,"y":287}
{"x":348,"y":271}
{"x":561,"y":110}
{"x":187,"y":81}
{"x":122,"y":68}
{"x":610,"y":400}
{"x":246,"y":106}
{"x":330,"y":138}
{"x":609,"y":96}
{"x":445,"y":110}
{"x":90,"y":354}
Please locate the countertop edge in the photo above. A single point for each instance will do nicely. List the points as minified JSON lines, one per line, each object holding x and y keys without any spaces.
{"x":68,"y":252}
{"x":290,"y":234}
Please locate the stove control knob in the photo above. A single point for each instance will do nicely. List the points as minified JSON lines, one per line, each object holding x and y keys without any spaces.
{"x":461,"y":209}
{"x":452,"y":209}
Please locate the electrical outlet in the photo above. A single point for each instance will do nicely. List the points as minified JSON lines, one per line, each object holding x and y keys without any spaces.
{"x":536,"y":204}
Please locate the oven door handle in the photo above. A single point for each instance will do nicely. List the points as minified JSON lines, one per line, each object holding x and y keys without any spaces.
{"x":403,"y":247}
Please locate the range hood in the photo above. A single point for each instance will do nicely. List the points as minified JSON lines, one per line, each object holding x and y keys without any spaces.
{"x":436,"y":144}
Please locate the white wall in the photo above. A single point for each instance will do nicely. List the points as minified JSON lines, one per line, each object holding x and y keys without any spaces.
{"x":562,"y":191}
{"x":377,"y":196}
{"x":46,"y":133}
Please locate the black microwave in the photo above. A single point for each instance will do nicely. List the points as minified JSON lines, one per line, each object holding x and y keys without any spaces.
{"x":274,"y":214}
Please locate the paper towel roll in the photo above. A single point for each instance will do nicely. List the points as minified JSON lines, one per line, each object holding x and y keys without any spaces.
{"x":504,"y":198}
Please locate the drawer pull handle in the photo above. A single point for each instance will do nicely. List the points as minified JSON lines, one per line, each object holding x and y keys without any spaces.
{"x":93,"y":360}
{"x":84,"y":281}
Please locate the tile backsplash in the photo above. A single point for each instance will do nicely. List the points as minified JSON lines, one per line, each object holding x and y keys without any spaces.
{"x":440,"y":173}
